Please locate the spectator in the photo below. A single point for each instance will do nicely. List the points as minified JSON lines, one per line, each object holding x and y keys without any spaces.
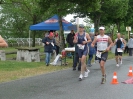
{"x":96,"y":47}
{"x":91,"y":51}
{"x":130,"y":46}
{"x":69,"y":39}
{"x":76,"y":59}
{"x":49,"y":47}
{"x":57,"y":40}
{"x":126,"y":48}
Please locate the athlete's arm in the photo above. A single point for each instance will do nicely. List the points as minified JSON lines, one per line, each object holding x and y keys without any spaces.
{"x":94,"y":42}
{"x":3,"y":42}
{"x":114,"y":43}
{"x":75,"y":40}
{"x":124,"y":43}
{"x":88,"y":39}
{"x":111,"y":44}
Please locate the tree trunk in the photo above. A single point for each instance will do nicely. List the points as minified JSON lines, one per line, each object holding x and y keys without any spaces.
{"x":61,"y":33}
{"x":33,"y":38}
{"x":34,"y":32}
{"x":118,"y":26}
{"x":97,"y":22}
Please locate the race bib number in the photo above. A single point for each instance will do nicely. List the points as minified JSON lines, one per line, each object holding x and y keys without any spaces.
{"x":98,"y":54}
{"x":119,"y":50}
{"x":81,"y":46}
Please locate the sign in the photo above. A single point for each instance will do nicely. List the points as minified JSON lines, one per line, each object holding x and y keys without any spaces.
{"x":128,"y":28}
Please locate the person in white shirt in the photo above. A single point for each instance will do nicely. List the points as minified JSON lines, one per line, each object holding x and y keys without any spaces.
{"x":130,"y":46}
{"x":102,"y":41}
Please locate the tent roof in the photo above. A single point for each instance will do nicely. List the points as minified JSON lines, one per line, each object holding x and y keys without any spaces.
{"x":50,"y":24}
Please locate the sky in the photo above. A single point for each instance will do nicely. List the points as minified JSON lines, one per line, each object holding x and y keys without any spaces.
{"x":70,"y":16}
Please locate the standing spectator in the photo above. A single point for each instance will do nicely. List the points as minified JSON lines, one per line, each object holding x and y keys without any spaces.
{"x":49,"y":46}
{"x":91,"y":51}
{"x":69,"y":39}
{"x":76,"y":59}
{"x":57,"y":40}
{"x":130,"y":46}
{"x":3,"y":42}
{"x":96,"y":47}
{"x":126,"y":48}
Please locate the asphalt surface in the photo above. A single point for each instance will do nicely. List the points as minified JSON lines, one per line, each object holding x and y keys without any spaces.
{"x":65,"y":85}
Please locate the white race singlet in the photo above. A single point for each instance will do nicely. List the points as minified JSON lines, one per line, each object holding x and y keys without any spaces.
{"x":102,"y":42}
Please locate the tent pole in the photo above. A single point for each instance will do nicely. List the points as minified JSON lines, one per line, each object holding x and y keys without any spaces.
{"x":29,"y":37}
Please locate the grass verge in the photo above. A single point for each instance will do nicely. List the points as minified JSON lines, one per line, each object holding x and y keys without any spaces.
{"x":12,"y":70}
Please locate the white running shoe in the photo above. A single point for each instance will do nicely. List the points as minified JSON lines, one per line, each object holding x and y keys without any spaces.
{"x":117,"y":65}
{"x":121,"y":62}
{"x":86,"y":73}
{"x":80,"y":77}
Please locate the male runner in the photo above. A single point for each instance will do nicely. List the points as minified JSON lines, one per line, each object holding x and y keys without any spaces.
{"x":120,"y":46}
{"x":82,"y":39}
{"x":102,"y":41}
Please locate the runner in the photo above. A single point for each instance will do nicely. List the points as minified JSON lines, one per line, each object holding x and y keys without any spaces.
{"x":120,"y":46}
{"x":82,"y":38}
{"x":102,"y":41}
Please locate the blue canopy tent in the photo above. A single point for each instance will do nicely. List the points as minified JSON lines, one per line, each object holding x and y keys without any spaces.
{"x":50,"y":24}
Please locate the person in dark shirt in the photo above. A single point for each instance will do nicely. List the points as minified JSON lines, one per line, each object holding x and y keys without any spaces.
{"x":76,"y":59}
{"x":120,"y":46}
{"x":69,"y":39}
{"x":49,"y":44}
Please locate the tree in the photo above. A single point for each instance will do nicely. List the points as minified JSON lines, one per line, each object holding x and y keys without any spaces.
{"x":29,"y":10}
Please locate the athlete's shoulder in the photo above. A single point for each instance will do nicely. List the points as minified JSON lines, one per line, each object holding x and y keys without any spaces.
{"x":106,"y":35}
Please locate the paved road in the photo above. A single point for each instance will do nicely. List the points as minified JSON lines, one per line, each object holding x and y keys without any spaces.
{"x":65,"y":85}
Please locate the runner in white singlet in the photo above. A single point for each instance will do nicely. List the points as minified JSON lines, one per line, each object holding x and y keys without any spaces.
{"x":102,"y":41}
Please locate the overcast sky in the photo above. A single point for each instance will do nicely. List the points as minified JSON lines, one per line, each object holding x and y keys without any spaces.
{"x":70,"y":16}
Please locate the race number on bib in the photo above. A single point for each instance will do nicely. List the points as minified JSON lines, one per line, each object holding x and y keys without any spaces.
{"x":119,"y":50}
{"x":98,"y":54}
{"x":81,"y":46}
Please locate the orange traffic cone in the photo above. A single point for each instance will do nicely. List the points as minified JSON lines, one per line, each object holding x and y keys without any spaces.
{"x":114,"y":80}
{"x":130,"y":71}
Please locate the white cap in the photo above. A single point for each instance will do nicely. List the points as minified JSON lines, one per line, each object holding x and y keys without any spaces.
{"x":101,"y":28}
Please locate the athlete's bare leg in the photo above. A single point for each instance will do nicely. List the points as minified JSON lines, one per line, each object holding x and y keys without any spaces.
{"x":116,"y":58}
{"x":83,"y":64}
{"x":102,"y":65}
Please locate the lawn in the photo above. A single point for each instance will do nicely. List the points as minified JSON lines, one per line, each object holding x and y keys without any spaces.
{"x":12,"y":69}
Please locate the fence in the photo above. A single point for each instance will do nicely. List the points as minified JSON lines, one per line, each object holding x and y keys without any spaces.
{"x":23,"y":41}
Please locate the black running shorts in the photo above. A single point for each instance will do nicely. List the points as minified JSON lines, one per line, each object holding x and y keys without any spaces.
{"x":104,"y":57}
{"x":118,"y":53}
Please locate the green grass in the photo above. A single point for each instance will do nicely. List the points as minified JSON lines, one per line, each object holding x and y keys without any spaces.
{"x":12,"y":69}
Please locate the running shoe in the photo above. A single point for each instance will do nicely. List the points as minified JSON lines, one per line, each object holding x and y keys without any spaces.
{"x":86,"y":73}
{"x":121,"y":62}
{"x":80,"y":77}
{"x":117,"y":65}
{"x":103,"y":79}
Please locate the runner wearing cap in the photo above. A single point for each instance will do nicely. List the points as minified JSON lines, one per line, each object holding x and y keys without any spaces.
{"x":120,"y":46}
{"x":102,"y":41}
{"x":82,"y":38}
